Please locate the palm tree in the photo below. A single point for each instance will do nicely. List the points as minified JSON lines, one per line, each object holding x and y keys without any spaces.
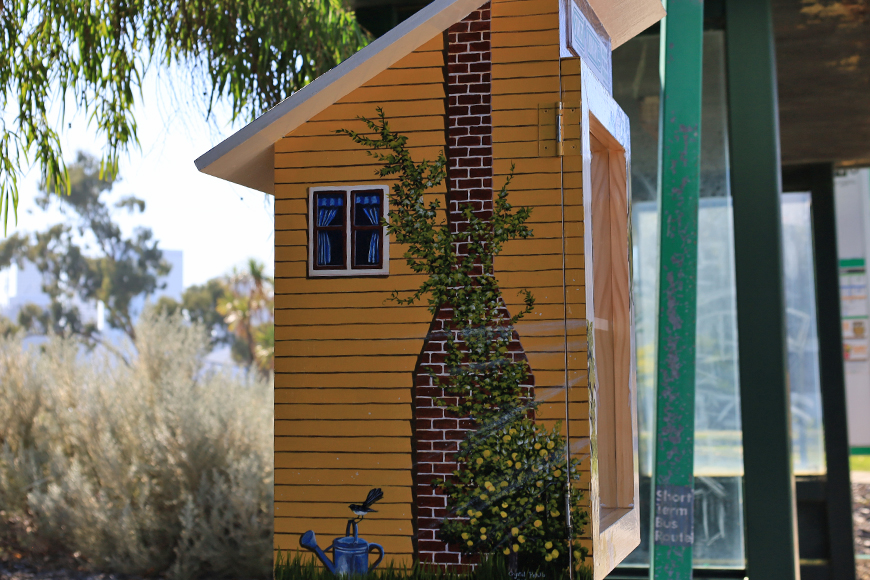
{"x":249,"y":312}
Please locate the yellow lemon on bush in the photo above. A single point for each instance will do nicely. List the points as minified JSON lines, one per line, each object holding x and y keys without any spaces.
{"x":540,"y":484}
{"x":537,"y":445}
{"x":479,"y":460}
{"x":539,"y":508}
{"x":470,"y":512}
{"x":503,"y":514}
{"x":548,"y":545}
{"x":555,"y":554}
{"x":507,"y":551}
{"x":537,"y":523}
{"x":554,"y":513}
{"x":487,"y":453}
{"x":577,"y":555}
{"x":516,"y":547}
{"x":482,"y":530}
{"x":557,"y":473}
{"x":550,"y":444}
{"x":542,"y":452}
{"x":473,"y":521}
{"x":515,"y":531}
{"x":521,"y":539}
{"x":518,"y":465}
{"x":464,"y":536}
{"x":514,"y":455}
{"x":509,"y":462}
{"x":513,"y":431}
{"x":506,"y":438}
{"x":482,"y":537}
{"x":548,"y":559}
{"x":470,"y":543}
{"x":504,"y":484}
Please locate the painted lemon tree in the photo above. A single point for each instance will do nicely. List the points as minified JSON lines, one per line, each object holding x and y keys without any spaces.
{"x":511,"y":492}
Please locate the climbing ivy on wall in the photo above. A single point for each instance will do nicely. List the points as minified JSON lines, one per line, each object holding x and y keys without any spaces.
{"x":509,"y":494}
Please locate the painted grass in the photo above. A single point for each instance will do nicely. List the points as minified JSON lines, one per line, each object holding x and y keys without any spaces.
{"x":299,"y":567}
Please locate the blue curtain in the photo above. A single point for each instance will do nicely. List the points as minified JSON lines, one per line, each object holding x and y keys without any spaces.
{"x":370,"y":204}
{"x":327,"y":208}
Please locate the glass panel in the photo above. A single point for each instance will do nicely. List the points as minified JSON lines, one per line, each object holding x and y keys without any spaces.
{"x":330,"y":209}
{"x":718,"y":446}
{"x":367,"y":207}
{"x":808,"y":443}
{"x":367,"y":248}
{"x":330,"y":248}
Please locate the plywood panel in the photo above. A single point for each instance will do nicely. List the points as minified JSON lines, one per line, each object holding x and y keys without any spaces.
{"x":342,"y":460}
{"x":343,"y":477}
{"x":525,"y":23}
{"x":303,"y":443}
{"x":336,"y":409}
{"x":385,"y":511}
{"x":299,"y":395}
{"x":343,"y":428}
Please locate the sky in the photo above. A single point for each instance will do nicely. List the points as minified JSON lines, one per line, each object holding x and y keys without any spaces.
{"x":216,"y":224}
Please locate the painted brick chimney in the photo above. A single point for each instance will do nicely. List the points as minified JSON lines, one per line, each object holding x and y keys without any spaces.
{"x":470,"y":179}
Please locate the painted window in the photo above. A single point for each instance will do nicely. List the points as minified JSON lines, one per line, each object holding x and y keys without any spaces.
{"x":346,"y":235}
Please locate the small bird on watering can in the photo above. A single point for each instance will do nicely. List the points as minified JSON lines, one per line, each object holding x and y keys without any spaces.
{"x":366,"y":507}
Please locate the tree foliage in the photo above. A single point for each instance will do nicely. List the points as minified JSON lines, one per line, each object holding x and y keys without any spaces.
{"x":238,"y":310}
{"x":510,"y":493}
{"x":87,"y":258}
{"x":253,"y":53}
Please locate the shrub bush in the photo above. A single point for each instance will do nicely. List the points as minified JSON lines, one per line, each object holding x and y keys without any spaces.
{"x":142,"y":461}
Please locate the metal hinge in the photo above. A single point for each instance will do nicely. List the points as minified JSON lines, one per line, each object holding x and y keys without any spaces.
{"x":558,"y":129}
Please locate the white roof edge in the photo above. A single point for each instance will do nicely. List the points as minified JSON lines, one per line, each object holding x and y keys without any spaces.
{"x":239,"y":158}
{"x":625,"y":19}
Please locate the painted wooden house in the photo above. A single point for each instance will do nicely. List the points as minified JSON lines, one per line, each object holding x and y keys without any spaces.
{"x":526,"y":82}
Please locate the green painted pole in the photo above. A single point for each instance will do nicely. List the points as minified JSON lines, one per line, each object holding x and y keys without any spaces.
{"x":769,"y":495}
{"x":672,"y":531}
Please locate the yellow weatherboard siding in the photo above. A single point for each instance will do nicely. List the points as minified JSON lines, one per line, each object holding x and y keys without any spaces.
{"x":344,"y":353}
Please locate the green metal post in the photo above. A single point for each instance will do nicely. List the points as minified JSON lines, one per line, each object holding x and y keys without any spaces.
{"x":769,"y":504}
{"x":680,"y":149}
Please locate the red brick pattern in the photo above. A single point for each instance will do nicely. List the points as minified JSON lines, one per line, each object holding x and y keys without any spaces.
{"x":470,"y":174}
{"x":469,"y":112}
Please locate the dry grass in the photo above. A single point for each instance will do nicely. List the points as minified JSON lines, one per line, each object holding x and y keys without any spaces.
{"x":159,"y":467}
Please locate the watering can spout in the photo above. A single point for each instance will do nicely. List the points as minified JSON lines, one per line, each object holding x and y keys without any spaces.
{"x":309,"y":541}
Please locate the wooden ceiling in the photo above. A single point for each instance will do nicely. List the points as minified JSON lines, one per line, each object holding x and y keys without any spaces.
{"x":823,"y":62}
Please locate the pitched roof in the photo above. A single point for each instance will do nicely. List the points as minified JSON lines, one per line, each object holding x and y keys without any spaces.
{"x":246,"y":157}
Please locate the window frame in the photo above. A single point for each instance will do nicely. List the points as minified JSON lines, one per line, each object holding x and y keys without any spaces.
{"x":349,"y":231}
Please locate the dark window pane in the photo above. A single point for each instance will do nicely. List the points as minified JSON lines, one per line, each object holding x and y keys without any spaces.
{"x":330,"y":209}
{"x":367,"y":208}
{"x":330,"y":248}
{"x":367,"y":249}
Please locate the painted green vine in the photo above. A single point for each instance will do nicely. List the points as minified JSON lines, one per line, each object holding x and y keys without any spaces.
{"x":509,"y":494}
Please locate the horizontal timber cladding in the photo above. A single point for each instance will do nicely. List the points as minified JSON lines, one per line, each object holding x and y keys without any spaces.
{"x":525,"y":74}
{"x":344,"y":370}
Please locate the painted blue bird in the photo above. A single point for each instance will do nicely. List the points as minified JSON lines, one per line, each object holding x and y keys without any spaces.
{"x":366,"y":507}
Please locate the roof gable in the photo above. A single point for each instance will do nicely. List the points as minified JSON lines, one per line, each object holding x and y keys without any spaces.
{"x":246,"y":157}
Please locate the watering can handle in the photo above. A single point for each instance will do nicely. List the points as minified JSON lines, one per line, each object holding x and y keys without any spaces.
{"x":378,"y":546}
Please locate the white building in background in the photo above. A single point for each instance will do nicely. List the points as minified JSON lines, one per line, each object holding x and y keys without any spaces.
{"x":22,"y":286}
{"x":852,"y":196}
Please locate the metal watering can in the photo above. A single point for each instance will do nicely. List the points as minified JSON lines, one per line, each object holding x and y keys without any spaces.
{"x":351,"y":553}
